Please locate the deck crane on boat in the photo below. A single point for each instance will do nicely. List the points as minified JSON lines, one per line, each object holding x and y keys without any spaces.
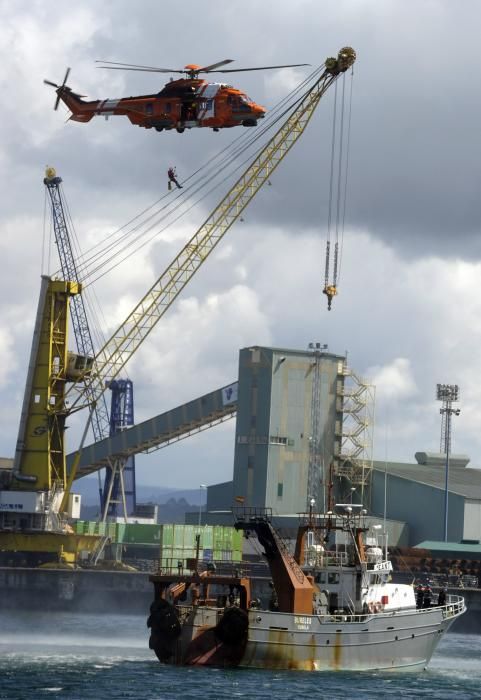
{"x":115,"y":489}
{"x":39,"y":489}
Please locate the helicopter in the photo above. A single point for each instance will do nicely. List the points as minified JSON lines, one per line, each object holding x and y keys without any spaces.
{"x":186,"y":103}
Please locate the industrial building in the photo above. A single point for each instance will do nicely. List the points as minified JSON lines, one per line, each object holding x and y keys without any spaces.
{"x":415,"y":495}
{"x":298,"y":415}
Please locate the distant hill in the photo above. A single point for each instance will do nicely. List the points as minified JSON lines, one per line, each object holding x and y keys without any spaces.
{"x":173,"y":503}
{"x":173,"y":511}
{"x":89,"y":490}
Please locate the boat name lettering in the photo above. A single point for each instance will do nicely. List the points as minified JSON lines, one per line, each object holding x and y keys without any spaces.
{"x":302,"y":623}
{"x":11,"y":506}
{"x":383,"y":566}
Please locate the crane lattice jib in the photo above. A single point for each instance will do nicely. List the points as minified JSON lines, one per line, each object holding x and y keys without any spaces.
{"x":129,"y":336}
{"x":83,"y":337}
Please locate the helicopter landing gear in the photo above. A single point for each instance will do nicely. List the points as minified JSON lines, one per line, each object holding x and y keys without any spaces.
{"x":215,"y":128}
{"x":159,"y":128}
{"x":249,"y":122}
{"x":180,"y":129}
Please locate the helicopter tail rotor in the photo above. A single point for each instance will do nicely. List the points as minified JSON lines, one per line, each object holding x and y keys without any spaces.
{"x":59,"y":88}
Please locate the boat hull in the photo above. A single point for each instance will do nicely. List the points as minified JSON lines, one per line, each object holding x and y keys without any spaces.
{"x":401,"y":640}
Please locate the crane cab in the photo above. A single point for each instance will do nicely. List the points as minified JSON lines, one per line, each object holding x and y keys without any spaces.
{"x":79,"y":367}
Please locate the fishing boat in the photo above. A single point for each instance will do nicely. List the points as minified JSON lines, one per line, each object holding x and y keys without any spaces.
{"x":333,"y":605}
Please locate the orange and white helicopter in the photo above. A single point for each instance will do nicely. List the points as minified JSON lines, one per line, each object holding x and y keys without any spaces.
{"x":185,"y":103}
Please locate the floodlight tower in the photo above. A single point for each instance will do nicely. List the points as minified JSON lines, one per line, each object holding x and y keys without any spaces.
{"x":448,"y":394}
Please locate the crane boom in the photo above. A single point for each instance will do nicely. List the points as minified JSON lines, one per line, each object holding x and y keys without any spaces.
{"x":130,"y":335}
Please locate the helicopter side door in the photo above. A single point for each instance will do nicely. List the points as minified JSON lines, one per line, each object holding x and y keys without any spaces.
{"x":206,"y":99}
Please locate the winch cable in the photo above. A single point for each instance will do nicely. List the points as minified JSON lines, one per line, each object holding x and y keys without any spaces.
{"x":215,"y":169}
{"x":95,"y":314}
{"x":230,"y":160}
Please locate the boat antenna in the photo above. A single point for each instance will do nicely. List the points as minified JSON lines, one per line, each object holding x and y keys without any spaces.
{"x":385,"y":482}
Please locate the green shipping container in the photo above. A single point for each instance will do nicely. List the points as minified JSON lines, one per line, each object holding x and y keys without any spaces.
{"x":167,"y":536}
{"x":136,"y":533}
{"x":119,"y":533}
{"x":101,"y":529}
{"x":207,"y":537}
{"x":78,"y":527}
{"x":218,"y":537}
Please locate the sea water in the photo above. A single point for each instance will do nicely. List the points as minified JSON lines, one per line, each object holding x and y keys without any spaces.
{"x":78,"y":657}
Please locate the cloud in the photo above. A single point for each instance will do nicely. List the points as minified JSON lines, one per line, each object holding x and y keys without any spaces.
{"x":393,"y":381}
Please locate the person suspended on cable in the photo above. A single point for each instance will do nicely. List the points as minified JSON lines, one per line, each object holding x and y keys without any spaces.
{"x":173,"y":178}
{"x":330,"y":290}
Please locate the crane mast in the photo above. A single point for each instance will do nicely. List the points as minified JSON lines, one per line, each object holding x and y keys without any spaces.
{"x":102,"y":425}
{"x":83,"y":336}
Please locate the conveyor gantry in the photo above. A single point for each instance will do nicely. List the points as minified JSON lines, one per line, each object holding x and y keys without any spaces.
{"x":178,"y":423}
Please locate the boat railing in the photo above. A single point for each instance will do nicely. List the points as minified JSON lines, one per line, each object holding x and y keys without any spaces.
{"x":454,"y":606}
{"x":326,"y":559}
{"x":234,"y":569}
{"x":252,"y":513}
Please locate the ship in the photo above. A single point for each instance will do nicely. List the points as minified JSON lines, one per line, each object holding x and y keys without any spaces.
{"x":333,"y":603}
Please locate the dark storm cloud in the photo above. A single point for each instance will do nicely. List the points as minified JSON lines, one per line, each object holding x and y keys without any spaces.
{"x":415,"y":144}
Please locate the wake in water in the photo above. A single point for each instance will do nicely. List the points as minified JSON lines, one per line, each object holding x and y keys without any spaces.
{"x":83,"y":657}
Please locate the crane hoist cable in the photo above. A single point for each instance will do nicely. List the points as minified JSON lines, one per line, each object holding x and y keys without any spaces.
{"x":337,"y":192}
{"x":346,"y":171}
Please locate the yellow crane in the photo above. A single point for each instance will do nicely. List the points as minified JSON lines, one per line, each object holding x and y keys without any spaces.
{"x":39,"y":491}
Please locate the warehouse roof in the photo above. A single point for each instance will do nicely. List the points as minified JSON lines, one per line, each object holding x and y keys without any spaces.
{"x":458,"y":547}
{"x":465,"y":481}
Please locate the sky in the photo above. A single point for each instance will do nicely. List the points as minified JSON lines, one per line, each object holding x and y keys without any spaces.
{"x":408,"y":312}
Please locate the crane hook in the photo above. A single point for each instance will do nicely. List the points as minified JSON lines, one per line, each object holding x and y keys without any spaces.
{"x":330,"y":291}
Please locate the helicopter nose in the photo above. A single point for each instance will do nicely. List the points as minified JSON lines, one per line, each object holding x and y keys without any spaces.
{"x":259,"y":111}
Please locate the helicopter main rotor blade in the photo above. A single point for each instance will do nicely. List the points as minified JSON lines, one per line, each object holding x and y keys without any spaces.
{"x":135,"y":66}
{"x":208,"y":69}
{"x":144,"y":70}
{"x":241,"y":70}
{"x":49,"y":82}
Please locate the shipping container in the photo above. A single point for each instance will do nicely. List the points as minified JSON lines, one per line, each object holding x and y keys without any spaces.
{"x":142,"y":533}
{"x":119,"y":533}
{"x":167,"y":535}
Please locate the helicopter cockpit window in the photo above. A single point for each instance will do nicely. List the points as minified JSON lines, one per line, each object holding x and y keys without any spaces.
{"x":149,"y":108}
{"x":168,"y":107}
